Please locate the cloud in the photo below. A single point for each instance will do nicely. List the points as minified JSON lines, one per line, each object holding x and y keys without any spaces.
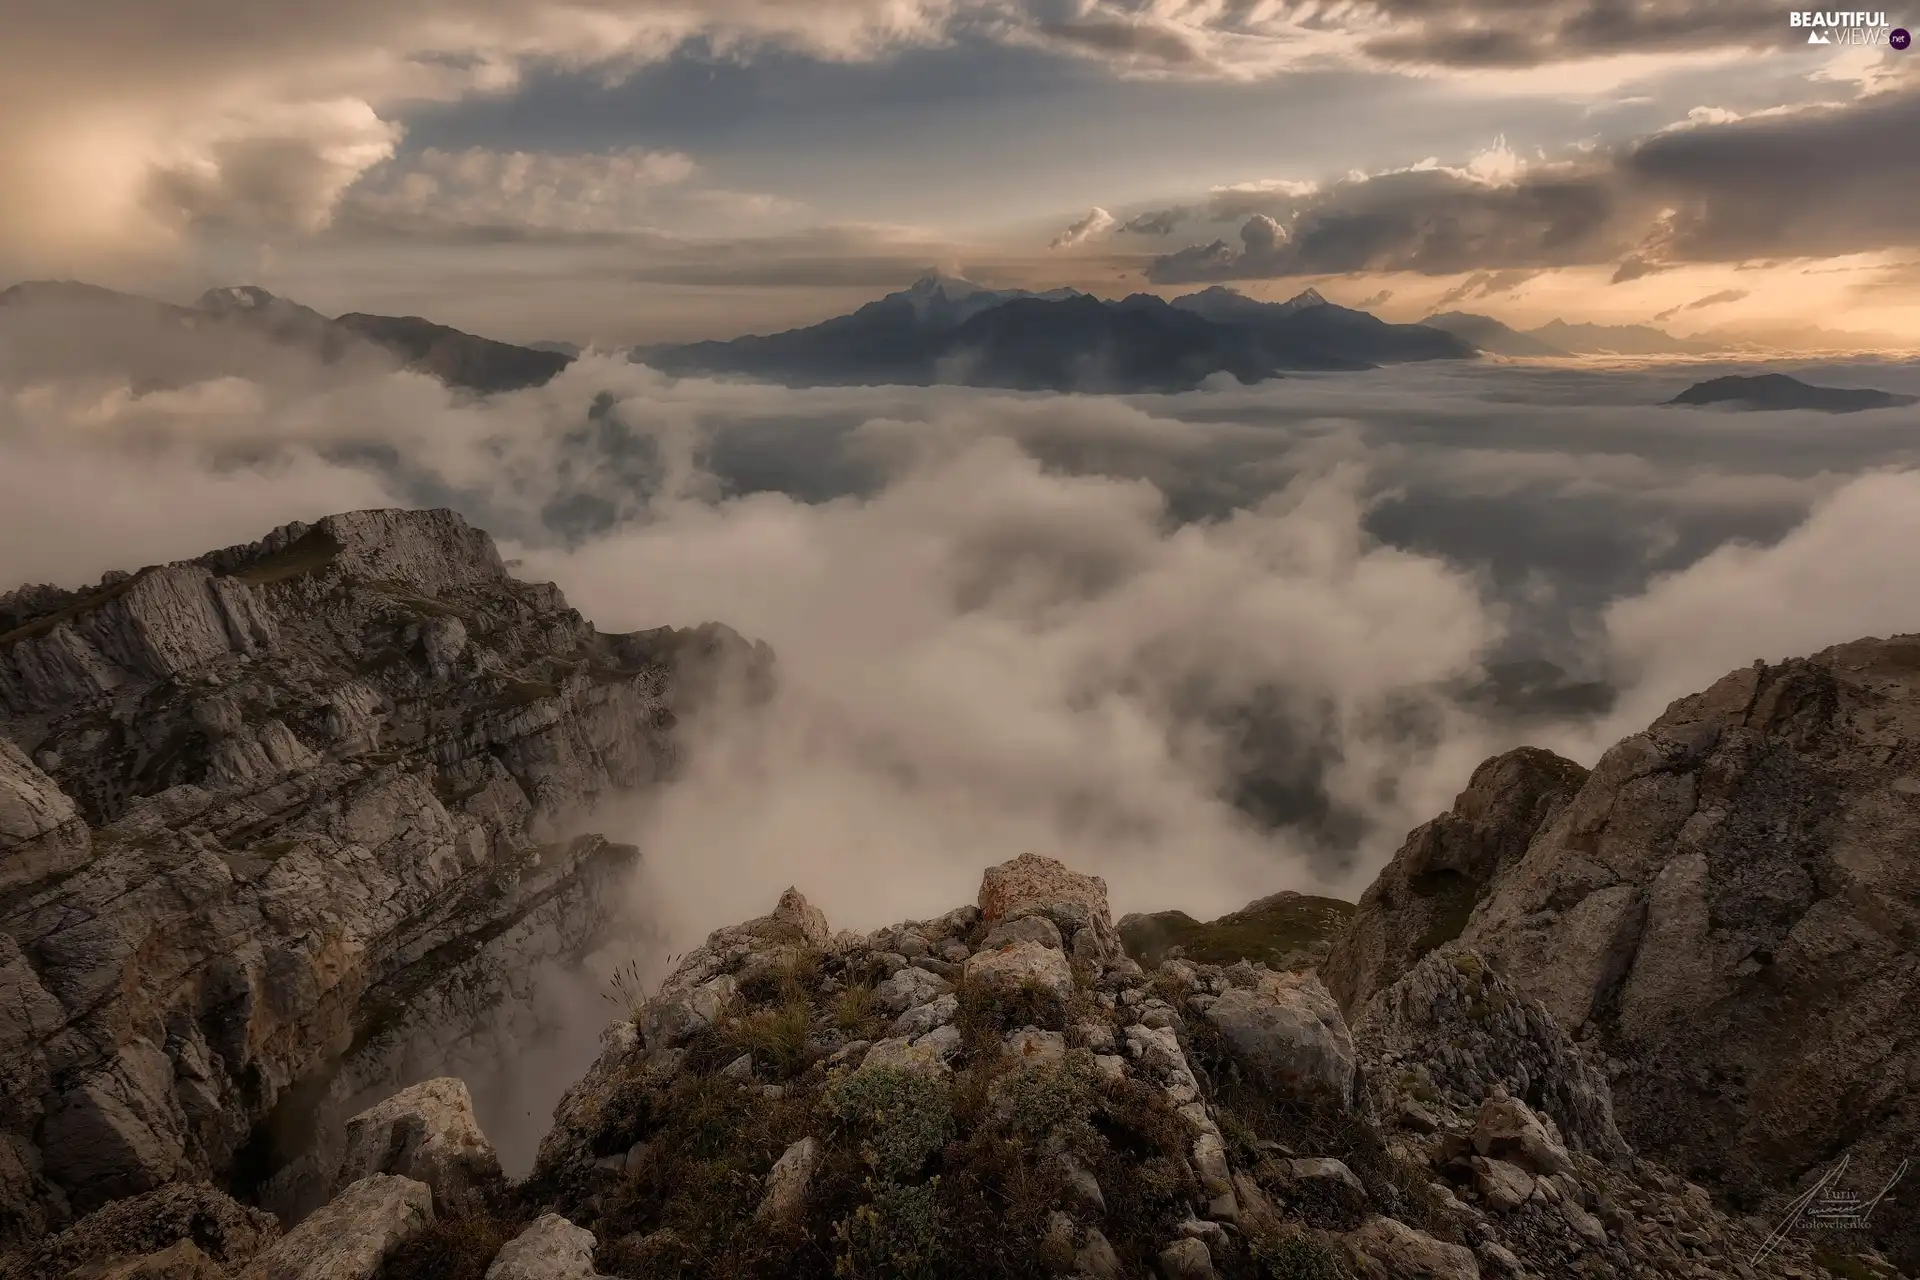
{"x":1157,"y":222}
{"x":1781,"y":184}
{"x":1097,"y":222}
{"x":1374,"y":299}
{"x":1484,"y":284}
{"x":1208,"y":646}
{"x":1720,"y":298}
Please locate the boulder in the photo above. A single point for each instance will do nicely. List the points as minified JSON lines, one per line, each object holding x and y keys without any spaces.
{"x":1030,"y":885}
{"x":1389,"y":1249}
{"x":921,"y":1019}
{"x":1026,"y":929}
{"x":426,"y":1132}
{"x":351,"y":1236}
{"x":1501,"y":1185}
{"x":1023,"y":966}
{"x":181,"y":1261}
{"x":909,"y":987}
{"x":551,"y":1249}
{"x":1287,"y":1033}
{"x":1508,"y":1129}
{"x":1186,"y":1259}
{"x":789,"y":1181}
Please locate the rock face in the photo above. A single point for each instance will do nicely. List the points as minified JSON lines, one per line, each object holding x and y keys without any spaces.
{"x":220,"y":1230}
{"x":1194,"y":1120}
{"x":265,"y":814}
{"x":1424,"y":896}
{"x":551,"y":1249}
{"x":1728,"y":913}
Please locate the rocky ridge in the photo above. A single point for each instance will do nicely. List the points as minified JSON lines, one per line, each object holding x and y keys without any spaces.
{"x":267,"y":813}
{"x":1002,"y":1091}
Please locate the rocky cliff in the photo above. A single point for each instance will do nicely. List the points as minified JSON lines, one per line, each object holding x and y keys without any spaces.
{"x":263,"y":811}
{"x":1725,"y":914}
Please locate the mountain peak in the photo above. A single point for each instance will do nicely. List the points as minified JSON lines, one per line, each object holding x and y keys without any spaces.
{"x":944,"y":284}
{"x":1308,"y":297}
{"x":236,"y":297}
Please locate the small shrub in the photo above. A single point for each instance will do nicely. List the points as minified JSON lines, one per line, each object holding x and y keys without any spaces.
{"x":1058,"y":1100}
{"x":856,"y":1012}
{"x":792,"y":976}
{"x":902,"y":1118}
{"x":894,"y":1236}
{"x":780,"y":1040}
{"x":1295,"y":1255}
{"x":987,"y":1013}
{"x":449,"y":1249}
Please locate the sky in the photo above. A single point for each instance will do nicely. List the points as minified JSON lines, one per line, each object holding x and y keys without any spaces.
{"x":644,"y":170}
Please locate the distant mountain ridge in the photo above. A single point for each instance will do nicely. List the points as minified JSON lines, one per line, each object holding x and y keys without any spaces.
{"x":943,"y":329}
{"x":1491,"y":335}
{"x":1778,"y":391}
{"x":459,"y":359}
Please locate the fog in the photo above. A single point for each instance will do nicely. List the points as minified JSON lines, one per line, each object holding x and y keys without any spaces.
{"x":1209,"y":646}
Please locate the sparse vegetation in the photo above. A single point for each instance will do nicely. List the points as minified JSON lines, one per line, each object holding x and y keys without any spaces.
{"x":1266,"y":931}
{"x":449,"y":1249}
{"x":311,"y":552}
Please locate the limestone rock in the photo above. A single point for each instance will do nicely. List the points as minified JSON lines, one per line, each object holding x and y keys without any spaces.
{"x":351,"y":1236}
{"x":1186,"y":1259}
{"x":1423,"y":897}
{"x":921,"y":1019}
{"x":1022,"y":966}
{"x":1389,"y":1249}
{"x":426,"y":1132}
{"x":296,"y":818}
{"x":181,"y":1261}
{"x":551,"y":1249}
{"x":1026,"y":929}
{"x":1501,"y":1185}
{"x":910,"y":987}
{"x":1030,"y":885}
{"x":221,"y":1229}
{"x":1096,"y":1259}
{"x":789,"y":1181}
{"x":1735,"y":886}
{"x":1508,"y":1129}
{"x":1287,"y":1032}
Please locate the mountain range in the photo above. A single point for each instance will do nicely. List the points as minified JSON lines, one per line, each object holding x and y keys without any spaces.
{"x":1778,"y":391}
{"x":158,"y":343}
{"x":1561,"y":338}
{"x":948,"y":330}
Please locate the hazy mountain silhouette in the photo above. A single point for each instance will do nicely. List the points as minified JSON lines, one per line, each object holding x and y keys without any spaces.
{"x":1778,"y":391}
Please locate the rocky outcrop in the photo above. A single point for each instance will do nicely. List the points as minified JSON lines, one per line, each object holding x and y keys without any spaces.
{"x":1191,"y":1120}
{"x":1423,"y":897}
{"x":426,"y":1132}
{"x":352,"y":1236}
{"x":216,"y":1229}
{"x":268,"y":814}
{"x":1727,"y":914}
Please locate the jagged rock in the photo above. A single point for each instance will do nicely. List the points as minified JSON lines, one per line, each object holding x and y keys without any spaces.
{"x":1453,"y":1026}
{"x":1501,"y":1185}
{"x":1026,"y":929}
{"x":1032,"y":1047}
{"x":1726,"y":909}
{"x":321,"y":822}
{"x":1391,"y":1250}
{"x":1096,"y":1259}
{"x":1022,"y":966}
{"x":351,"y":1236}
{"x":788,"y":1181}
{"x":1508,"y":1129}
{"x":222,"y":1229}
{"x":1211,"y":1234}
{"x":41,"y":832}
{"x":1423,"y":897}
{"x":921,"y":1019}
{"x":181,"y":1261}
{"x":1030,"y":885}
{"x":910,"y":987}
{"x":426,"y":1132}
{"x":1082,"y":1186}
{"x":1287,"y":1032}
{"x":551,"y":1249}
{"x":1186,"y":1259}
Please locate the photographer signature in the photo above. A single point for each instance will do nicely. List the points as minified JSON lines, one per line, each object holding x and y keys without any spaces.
{"x":1825,"y":1206}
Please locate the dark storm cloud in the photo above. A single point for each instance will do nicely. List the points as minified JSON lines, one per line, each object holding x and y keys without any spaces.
{"x":1711,"y":300}
{"x":1484,"y":284}
{"x":1829,"y":180}
{"x":1157,"y":222}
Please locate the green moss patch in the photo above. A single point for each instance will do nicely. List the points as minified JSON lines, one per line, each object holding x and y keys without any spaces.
{"x":1265,"y":931}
